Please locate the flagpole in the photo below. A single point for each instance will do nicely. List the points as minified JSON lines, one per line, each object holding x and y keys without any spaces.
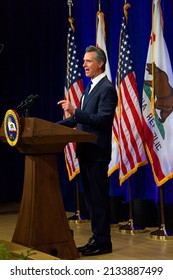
{"x":130,"y":227}
{"x":161,"y":233}
{"x":76,"y":217}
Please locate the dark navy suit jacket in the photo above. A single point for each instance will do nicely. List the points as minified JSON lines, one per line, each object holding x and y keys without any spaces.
{"x":96,"y":117}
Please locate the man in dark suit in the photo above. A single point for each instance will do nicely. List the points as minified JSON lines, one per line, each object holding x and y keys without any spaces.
{"x":95,"y":115}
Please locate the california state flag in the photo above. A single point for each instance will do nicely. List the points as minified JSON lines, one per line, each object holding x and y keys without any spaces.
{"x":157,"y":102}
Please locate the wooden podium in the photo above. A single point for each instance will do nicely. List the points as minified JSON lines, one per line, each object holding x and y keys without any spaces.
{"x":42,"y":223}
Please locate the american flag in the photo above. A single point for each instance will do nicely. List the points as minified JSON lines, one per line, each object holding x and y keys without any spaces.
{"x":130,"y":130}
{"x":73,"y":91}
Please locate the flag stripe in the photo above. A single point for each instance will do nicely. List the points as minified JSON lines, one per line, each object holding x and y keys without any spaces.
{"x":115,"y":126}
{"x":129,"y":117}
{"x":69,"y":156}
{"x":152,"y":155}
{"x":71,"y":162}
{"x":131,"y":124}
{"x":132,"y":119}
{"x":73,"y":92}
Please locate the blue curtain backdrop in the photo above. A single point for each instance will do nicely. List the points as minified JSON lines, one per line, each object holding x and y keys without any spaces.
{"x":33,"y":61}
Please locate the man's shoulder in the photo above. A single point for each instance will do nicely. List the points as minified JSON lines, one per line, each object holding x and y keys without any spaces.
{"x":106,"y":81}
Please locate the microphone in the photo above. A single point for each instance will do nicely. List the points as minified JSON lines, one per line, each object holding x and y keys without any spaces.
{"x":32,"y":97}
{"x":28,"y":101}
{"x":23,"y":107}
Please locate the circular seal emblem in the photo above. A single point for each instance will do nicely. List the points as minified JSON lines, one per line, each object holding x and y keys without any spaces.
{"x":12,"y":127}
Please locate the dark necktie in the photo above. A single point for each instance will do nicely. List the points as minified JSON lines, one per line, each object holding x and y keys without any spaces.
{"x":88,"y":88}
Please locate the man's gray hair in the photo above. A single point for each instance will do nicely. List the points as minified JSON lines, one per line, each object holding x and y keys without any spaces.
{"x":100,"y":54}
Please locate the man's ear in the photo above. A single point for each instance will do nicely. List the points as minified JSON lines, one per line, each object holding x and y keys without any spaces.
{"x":100,"y":64}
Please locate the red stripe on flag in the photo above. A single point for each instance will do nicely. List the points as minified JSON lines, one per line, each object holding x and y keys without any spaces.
{"x":154,"y":158}
{"x":136,"y":120}
{"x":71,"y":163}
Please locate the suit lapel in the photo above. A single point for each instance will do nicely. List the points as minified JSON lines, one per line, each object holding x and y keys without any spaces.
{"x":92,"y":92}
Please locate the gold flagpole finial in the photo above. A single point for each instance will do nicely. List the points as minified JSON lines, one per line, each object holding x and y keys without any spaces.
{"x":126,"y":7}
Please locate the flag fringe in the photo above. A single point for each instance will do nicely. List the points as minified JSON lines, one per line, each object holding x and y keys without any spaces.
{"x":71,"y":176}
{"x":132,"y":171}
{"x":165,"y":179}
{"x":126,"y":7}
{"x":113,"y":169}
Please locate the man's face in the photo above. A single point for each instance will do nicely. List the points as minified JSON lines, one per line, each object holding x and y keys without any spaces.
{"x":91,"y":65}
